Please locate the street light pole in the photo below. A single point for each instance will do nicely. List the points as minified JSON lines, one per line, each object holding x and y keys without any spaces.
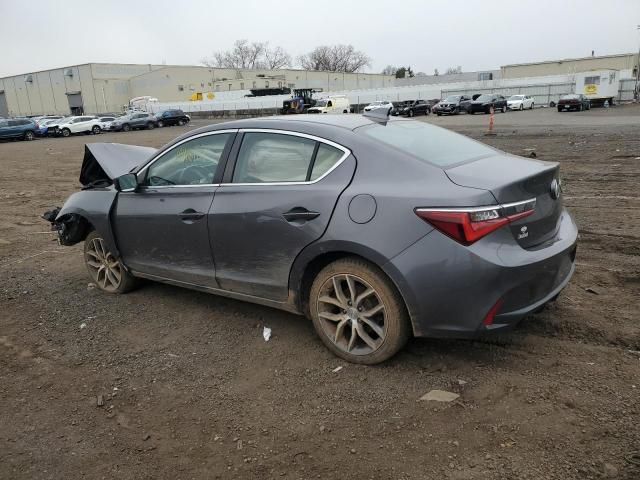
{"x":636,"y":94}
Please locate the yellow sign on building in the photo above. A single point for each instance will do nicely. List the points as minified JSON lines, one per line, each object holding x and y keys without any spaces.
{"x":591,"y":89}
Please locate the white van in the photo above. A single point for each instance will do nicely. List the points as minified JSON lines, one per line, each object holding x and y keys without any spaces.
{"x":332,"y":104}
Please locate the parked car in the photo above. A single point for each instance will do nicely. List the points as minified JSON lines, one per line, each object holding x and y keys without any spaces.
{"x":105,"y":122}
{"x":452,"y":105}
{"x":171,"y":117}
{"x":77,"y":124}
{"x":398,"y":107}
{"x":133,"y":121}
{"x":574,"y":101}
{"x":487,"y":100}
{"x":520,"y":102}
{"x":474,"y":241}
{"x":22,"y":128}
{"x":332,"y":104}
{"x":416,"y":107}
{"x":378,"y":104}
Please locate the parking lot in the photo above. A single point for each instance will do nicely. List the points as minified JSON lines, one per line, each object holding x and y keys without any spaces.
{"x":190,"y":389}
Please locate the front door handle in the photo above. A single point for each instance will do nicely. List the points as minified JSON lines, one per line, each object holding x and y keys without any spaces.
{"x":190,"y":215}
{"x":299,"y":214}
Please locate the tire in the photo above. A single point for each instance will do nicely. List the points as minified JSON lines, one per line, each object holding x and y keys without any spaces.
{"x":531,"y":107}
{"x":104,"y":269}
{"x":559,"y":109}
{"x":126,"y":127}
{"x":411,"y":114}
{"x":521,"y":106}
{"x":181,"y":122}
{"x":580,"y":108}
{"x":150,"y":126}
{"x":456,"y":111}
{"x":504,"y":109}
{"x":28,"y":135}
{"x":470,"y":112}
{"x":160,"y":124}
{"x":439,"y":114}
{"x":387,"y":329}
{"x":65,"y":132}
{"x":96,"y":130}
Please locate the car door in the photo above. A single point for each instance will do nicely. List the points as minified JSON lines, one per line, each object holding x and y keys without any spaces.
{"x":161,"y":228}
{"x":277,"y":197}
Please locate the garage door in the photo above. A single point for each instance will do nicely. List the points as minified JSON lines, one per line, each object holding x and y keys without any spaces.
{"x":75,"y":103}
{"x":4,"y":109}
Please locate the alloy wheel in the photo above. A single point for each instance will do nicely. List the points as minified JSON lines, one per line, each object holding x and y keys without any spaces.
{"x":352,"y":314}
{"x":105,"y":269}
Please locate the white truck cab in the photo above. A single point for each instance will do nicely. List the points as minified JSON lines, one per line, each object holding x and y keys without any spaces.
{"x":332,"y":104}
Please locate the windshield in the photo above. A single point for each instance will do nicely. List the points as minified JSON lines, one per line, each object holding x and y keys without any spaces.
{"x":484,"y":98}
{"x":428,"y":143}
{"x":452,"y":98}
{"x":321,"y":103}
{"x":516,"y":97}
{"x":570,"y":97}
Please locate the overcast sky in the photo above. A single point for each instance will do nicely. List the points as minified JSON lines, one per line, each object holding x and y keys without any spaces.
{"x":426,"y":34}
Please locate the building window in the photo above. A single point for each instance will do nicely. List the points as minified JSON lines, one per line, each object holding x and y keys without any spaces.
{"x":181,"y":88}
{"x":291,"y":85}
{"x":266,"y":84}
{"x":485,"y":76}
{"x":279,"y":84}
{"x":592,"y":80}
{"x":254,"y":84}
{"x":230,"y":85}
{"x":241,"y":85}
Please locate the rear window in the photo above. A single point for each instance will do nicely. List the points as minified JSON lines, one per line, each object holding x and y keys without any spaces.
{"x":430,"y":144}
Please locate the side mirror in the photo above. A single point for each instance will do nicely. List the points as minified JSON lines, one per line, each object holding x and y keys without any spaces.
{"x":126,"y":183}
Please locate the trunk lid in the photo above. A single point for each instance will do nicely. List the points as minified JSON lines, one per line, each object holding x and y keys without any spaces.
{"x":514,"y":179}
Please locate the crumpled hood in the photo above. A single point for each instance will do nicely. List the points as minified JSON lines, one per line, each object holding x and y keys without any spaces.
{"x":106,"y":161}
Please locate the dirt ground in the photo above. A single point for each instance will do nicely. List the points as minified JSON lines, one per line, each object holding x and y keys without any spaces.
{"x":191,"y":390}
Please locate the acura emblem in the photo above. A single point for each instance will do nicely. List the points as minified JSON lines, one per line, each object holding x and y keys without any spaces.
{"x":555,"y":189}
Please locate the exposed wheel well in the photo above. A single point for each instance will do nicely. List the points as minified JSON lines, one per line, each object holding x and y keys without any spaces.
{"x":73,"y":228}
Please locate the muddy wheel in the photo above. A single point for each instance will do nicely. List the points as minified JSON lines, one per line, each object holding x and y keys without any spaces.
{"x":105,"y":270}
{"x":358,"y":313}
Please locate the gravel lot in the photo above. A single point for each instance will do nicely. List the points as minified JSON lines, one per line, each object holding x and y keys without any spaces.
{"x":191,"y":389}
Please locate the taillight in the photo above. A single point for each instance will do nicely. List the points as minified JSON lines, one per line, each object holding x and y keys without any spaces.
{"x":468,"y":225}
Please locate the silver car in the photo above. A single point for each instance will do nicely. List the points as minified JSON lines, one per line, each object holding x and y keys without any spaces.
{"x":377,"y":229}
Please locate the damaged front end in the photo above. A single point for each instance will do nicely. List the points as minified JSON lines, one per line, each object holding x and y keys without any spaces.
{"x":71,"y":228}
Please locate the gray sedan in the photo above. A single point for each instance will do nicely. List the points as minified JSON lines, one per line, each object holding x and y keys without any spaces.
{"x":377,"y":229}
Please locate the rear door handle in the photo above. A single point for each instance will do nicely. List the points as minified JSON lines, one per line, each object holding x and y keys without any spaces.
{"x":190,"y":215}
{"x":298,"y":214}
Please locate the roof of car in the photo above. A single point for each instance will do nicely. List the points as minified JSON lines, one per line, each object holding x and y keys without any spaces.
{"x":346,"y":121}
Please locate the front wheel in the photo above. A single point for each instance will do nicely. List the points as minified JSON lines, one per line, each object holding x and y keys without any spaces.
{"x":160,"y":124}
{"x":521,"y":106}
{"x":96,"y":129}
{"x":28,"y":135}
{"x":150,"y":126}
{"x":411,"y":114}
{"x":504,"y":109}
{"x":126,"y":127}
{"x":66,"y":132}
{"x":357,"y":312}
{"x":531,"y":107}
{"x":181,"y":122}
{"x":105,"y":270}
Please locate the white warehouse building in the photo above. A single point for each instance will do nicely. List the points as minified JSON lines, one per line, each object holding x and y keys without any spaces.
{"x":107,"y":87}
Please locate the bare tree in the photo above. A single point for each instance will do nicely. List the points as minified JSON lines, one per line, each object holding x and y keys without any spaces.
{"x":275,"y":58}
{"x":250,"y":55}
{"x":453,"y":70}
{"x":389,"y":70}
{"x":334,"y":58}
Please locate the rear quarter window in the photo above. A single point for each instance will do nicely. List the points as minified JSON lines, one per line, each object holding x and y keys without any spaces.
{"x":428,"y":143}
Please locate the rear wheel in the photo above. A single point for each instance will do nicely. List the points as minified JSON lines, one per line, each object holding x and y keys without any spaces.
{"x":150,"y":126}
{"x":357,"y":312}
{"x":504,"y":109}
{"x":105,"y":270}
{"x":28,"y":135}
{"x":96,"y":129}
{"x":66,"y":132}
{"x":521,"y":106}
{"x":531,"y":107}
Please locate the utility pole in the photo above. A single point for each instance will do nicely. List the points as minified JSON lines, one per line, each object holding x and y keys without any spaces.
{"x":636,"y":94}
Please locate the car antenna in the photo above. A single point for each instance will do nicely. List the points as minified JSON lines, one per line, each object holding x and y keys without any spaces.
{"x":378,"y":114}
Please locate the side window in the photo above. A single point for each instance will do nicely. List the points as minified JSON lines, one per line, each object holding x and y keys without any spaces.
{"x":191,"y":163}
{"x":326,"y":158}
{"x":273,"y":157}
{"x":329,"y":103}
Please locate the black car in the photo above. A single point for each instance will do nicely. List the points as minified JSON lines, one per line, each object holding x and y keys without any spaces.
{"x":484,"y":103}
{"x":574,"y":101}
{"x":453,"y":105}
{"x":416,"y":107}
{"x":172,"y":117}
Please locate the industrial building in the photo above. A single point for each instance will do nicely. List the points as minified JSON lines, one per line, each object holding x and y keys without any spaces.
{"x":627,"y":63}
{"x":100,"y":87}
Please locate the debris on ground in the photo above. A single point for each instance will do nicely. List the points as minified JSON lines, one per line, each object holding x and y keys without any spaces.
{"x":99,"y":401}
{"x":146,"y":437}
{"x":83,"y":325}
{"x":461,"y":382}
{"x":592,"y":290}
{"x":337,"y":369}
{"x":266,"y":334}
{"x":439,"y":396}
